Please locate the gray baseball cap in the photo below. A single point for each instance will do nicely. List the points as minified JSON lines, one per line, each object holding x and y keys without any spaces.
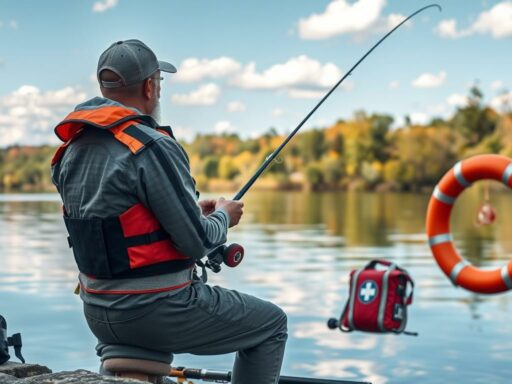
{"x":133,"y":61}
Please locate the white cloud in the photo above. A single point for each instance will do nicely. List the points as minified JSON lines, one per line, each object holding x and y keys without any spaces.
{"x":502,"y":102}
{"x":277,"y":112}
{"x":393,"y":19}
{"x":27,"y":115}
{"x":394,"y":85}
{"x":496,"y":85}
{"x":297,"y":71}
{"x":183,"y":133}
{"x":497,"y":22}
{"x":224,"y":127}
{"x":104,"y":5}
{"x":429,"y":80}
{"x":419,"y":118}
{"x":305,"y":94}
{"x":193,"y":69}
{"x":236,"y":106}
{"x":341,"y":17}
{"x":300,"y":77}
{"x":448,"y":29}
{"x":457,"y":100}
{"x":207,"y":94}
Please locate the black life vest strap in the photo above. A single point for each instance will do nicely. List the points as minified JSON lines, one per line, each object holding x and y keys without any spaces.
{"x":147,"y":238}
{"x":139,"y":134}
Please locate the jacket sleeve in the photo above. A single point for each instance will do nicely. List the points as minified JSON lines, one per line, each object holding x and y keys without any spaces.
{"x":168,"y":190}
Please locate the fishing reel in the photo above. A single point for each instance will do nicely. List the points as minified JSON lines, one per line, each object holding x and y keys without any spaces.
{"x":230,"y":255}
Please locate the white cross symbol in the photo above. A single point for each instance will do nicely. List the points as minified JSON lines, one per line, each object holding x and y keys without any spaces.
{"x":367,"y":292}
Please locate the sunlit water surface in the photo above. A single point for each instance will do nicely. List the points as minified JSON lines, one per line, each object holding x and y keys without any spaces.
{"x":300,"y":249}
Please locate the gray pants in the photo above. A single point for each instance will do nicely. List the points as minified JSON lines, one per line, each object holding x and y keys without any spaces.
{"x":202,"y":320}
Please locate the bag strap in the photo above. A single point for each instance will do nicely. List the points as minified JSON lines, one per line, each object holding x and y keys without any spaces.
{"x":408,"y":301}
{"x":408,"y":279}
{"x":15,"y":342}
{"x":6,"y":342}
{"x":340,"y":326}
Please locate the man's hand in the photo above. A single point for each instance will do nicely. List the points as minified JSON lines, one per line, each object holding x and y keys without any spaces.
{"x":233,"y":208}
{"x":207,"y":206}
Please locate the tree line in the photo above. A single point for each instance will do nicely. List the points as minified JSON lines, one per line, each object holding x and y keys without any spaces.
{"x":360,"y":153}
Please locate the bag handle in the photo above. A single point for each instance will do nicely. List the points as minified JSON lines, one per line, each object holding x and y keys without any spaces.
{"x":372,"y":264}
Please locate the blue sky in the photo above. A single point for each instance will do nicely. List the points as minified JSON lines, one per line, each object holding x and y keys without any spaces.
{"x":247,"y":66}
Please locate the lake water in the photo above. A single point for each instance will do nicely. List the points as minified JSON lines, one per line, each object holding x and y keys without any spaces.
{"x":300,"y":248}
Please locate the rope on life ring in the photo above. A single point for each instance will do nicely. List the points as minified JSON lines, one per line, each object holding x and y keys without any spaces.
{"x":456,"y":180}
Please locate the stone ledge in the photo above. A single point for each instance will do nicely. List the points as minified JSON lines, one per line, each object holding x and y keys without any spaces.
{"x":80,"y":376}
{"x":19,"y":370}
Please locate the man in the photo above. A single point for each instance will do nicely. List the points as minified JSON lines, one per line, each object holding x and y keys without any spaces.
{"x":136,"y":228}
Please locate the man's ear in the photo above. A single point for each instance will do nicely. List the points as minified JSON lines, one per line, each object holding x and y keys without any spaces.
{"x":148,"y":88}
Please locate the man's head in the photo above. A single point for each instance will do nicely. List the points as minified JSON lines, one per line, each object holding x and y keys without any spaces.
{"x":129,"y":72}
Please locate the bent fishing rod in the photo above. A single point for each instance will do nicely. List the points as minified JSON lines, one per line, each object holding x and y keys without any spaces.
{"x":232,"y":255}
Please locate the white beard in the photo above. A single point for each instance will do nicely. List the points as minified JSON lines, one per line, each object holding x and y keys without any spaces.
{"x":156,"y":113}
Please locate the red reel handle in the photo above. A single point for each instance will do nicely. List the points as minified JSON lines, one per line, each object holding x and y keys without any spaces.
{"x":233,"y":255}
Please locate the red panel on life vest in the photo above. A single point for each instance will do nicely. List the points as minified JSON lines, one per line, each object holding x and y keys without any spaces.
{"x":138,"y":220}
{"x":153,"y":253}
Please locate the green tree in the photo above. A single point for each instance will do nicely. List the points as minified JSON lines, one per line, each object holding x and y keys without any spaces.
{"x":333,"y":170}
{"x":378,"y":146}
{"x":312,"y":145}
{"x":337,"y":144}
{"x":211,"y":167}
{"x":474,"y":121}
{"x":227,"y":168}
{"x":314,"y":175}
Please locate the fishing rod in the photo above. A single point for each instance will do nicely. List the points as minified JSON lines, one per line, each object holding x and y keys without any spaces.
{"x":183,"y":373}
{"x":232,"y":255}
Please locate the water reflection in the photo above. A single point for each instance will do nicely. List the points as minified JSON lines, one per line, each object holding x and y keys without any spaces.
{"x":300,"y":248}
{"x":347,"y":369}
{"x":33,"y":246}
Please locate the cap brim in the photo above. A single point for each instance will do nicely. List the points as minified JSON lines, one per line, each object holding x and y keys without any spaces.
{"x":166,"y":67}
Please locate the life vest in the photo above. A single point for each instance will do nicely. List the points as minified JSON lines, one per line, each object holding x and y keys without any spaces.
{"x":133,"y":244}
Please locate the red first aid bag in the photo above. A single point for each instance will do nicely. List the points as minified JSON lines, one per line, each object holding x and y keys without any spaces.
{"x":378,"y":300}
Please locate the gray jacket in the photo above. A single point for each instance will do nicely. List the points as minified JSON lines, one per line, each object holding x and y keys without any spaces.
{"x":99,"y":177}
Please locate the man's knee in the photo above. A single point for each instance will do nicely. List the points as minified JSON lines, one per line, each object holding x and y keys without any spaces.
{"x":281,"y":324}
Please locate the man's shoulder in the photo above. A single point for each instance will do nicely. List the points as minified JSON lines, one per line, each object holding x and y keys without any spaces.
{"x":157,"y":140}
{"x":148,"y":131}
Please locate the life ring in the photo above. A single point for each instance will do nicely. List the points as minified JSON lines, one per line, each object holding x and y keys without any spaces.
{"x":458,"y":270}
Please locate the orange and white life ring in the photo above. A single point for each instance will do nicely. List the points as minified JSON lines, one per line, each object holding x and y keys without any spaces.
{"x":458,"y":270}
